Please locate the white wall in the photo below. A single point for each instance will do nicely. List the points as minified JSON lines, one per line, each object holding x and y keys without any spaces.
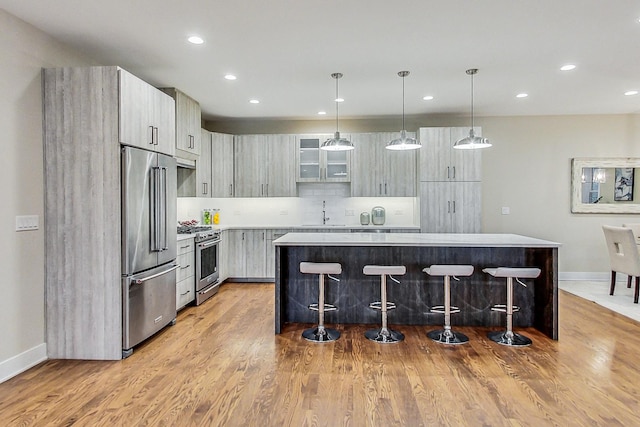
{"x":24,"y":50}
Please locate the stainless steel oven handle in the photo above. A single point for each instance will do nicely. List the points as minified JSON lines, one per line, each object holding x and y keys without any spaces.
{"x":153,"y":276}
{"x":212,"y":287}
{"x":210,"y":243}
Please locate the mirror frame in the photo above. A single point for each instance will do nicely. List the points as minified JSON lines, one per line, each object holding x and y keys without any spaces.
{"x":577,"y":164}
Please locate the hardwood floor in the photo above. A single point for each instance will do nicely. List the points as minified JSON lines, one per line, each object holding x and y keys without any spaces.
{"x":222,"y":365}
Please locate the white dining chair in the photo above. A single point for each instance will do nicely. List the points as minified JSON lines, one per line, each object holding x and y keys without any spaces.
{"x":623,"y":255}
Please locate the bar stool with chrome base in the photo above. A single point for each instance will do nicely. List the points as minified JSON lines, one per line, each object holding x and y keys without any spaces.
{"x":509,"y":337}
{"x":320,"y":333}
{"x":446,"y":335}
{"x":384,"y":334}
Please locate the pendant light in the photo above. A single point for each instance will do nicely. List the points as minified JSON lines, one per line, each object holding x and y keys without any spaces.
{"x":472,"y":141}
{"x":404,"y":142}
{"x":337,"y":143}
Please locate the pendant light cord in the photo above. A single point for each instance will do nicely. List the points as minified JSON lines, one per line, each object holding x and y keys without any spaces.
{"x":472,"y":101}
{"x":337,"y":128}
{"x":403,"y":128}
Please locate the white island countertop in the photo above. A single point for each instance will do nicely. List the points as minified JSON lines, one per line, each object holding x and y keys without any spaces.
{"x":413,"y":239}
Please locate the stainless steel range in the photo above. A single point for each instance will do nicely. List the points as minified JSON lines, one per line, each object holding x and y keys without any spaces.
{"x":207,"y":242}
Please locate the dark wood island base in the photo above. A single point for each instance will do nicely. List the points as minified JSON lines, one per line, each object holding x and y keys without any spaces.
{"x":417,"y":292}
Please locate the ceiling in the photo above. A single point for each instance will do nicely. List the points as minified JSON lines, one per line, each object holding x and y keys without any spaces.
{"x":283,"y":52}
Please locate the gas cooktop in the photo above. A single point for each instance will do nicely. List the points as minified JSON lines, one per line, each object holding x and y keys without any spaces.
{"x":191,"y":229}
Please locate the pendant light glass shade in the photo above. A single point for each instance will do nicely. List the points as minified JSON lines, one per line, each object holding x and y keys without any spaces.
{"x":404,"y":142}
{"x":472,"y":141}
{"x":337,"y":143}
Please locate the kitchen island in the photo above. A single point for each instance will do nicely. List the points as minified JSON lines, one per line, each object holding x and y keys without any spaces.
{"x":417,"y":292}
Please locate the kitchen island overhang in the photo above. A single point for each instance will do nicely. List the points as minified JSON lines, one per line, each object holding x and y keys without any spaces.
{"x":417,"y":292}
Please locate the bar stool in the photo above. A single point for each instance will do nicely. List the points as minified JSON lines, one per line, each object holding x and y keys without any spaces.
{"x":509,"y":337}
{"x":320,"y":333}
{"x":384,"y":334}
{"x":446,"y":335}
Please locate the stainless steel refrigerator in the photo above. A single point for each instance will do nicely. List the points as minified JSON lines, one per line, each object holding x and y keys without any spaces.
{"x":148,"y":244}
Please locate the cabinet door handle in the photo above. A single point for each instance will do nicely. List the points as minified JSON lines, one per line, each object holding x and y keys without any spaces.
{"x":448,"y":176}
{"x":185,"y":267}
{"x":185,"y":293}
{"x":380,"y":191}
{"x":204,"y":188}
{"x":150,"y":135}
{"x":155,"y":135}
{"x":266,"y":188}
{"x":231,"y":189}
{"x":385,"y":188}
{"x":262,"y":189}
{"x":454,"y":206}
{"x":454,"y":174}
{"x":449,"y":206}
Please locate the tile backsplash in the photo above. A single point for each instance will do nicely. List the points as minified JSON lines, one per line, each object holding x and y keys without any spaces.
{"x":303,"y":210}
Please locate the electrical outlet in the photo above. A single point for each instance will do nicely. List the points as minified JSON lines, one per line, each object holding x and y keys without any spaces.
{"x":27,"y":222}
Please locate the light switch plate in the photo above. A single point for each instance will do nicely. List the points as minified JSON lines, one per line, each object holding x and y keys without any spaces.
{"x":27,"y":222}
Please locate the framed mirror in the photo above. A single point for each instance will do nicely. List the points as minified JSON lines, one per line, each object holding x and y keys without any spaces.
{"x":605,"y":185}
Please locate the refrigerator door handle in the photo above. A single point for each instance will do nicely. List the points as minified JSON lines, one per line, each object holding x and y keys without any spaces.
{"x":154,"y":211}
{"x":153,"y":276}
{"x":163,"y":208}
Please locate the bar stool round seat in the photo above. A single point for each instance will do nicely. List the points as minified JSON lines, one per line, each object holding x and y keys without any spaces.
{"x":508,"y":337}
{"x":320,"y":333}
{"x":446,"y":335}
{"x":384,"y":334}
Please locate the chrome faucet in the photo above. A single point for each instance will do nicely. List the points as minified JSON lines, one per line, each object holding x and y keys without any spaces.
{"x":324,"y":214}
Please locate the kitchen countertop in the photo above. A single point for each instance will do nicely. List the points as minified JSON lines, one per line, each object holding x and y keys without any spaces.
{"x":412,"y":239}
{"x":364,"y":228}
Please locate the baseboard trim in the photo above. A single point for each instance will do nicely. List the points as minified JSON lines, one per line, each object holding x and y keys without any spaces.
{"x":17,"y":364}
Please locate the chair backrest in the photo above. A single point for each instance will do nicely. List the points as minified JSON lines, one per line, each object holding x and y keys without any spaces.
{"x":636,"y":231}
{"x":623,"y":251}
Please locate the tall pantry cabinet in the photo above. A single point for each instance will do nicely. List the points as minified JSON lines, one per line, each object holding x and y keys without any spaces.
{"x":450,"y":182}
{"x":88,"y":113}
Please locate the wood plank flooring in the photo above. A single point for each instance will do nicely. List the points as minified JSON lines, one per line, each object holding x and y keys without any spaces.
{"x":222,"y":365}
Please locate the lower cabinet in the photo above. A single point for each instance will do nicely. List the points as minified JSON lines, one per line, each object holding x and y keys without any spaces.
{"x":247,"y":254}
{"x":223,"y":261}
{"x":450,"y":207}
{"x":185,"y":275}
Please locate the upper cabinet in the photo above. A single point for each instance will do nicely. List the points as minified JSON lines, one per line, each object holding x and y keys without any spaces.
{"x":147,"y":115}
{"x":188,"y":125}
{"x":221,"y":165}
{"x":203,"y":166}
{"x":377,"y":171}
{"x":439,"y":161}
{"x":316,"y":165}
{"x":264,"y":166}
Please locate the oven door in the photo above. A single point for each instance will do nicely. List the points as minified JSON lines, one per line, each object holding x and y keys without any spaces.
{"x":207,"y":258}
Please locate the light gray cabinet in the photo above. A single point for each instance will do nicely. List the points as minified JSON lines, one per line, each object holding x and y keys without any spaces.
{"x":147,"y":115}
{"x":247,"y":253}
{"x":203,"y":166}
{"x":185,"y":274}
{"x":316,"y":165}
{"x":221,"y":165}
{"x":450,"y":207}
{"x":439,"y":161}
{"x":377,"y":171}
{"x":88,"y":111}
{"x":450,"y":183}
{"x":188,"y":118}
{"x":264,"y":166}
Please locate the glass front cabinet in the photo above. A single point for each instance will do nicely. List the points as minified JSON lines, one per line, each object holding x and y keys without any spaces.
{"x":316,"y":165}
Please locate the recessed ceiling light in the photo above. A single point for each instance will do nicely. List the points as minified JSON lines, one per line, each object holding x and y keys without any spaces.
{"x":230,"y":77}
{"x":567,"y":67}
{"x":322,"y":113}
{"x":631,"y":92}
{"x":427,"y":98}
{"x":254,"y":101}
{"x":522,"y":95}
{"x":195,"y":40}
